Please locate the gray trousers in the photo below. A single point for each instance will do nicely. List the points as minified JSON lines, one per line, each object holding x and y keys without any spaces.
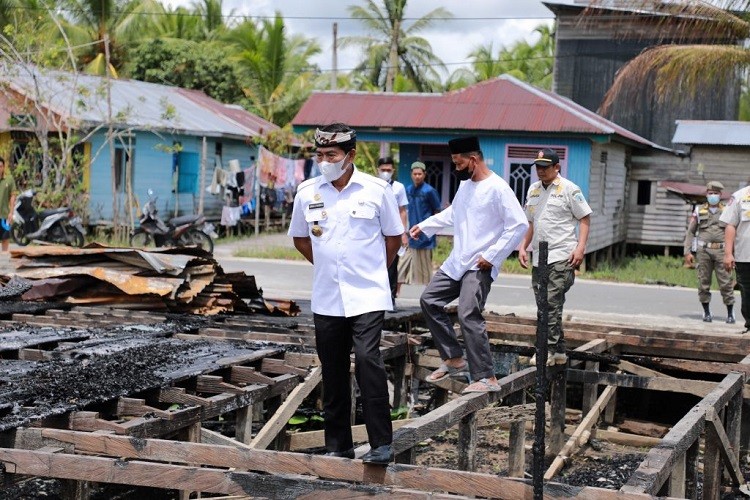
{"x":471,"y":291}
{"x":561,"y":278}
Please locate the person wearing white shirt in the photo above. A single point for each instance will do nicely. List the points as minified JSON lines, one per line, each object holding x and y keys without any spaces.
{"x":346,"y":223}
{"x":385,"y":172}
{"x":488,"y":224}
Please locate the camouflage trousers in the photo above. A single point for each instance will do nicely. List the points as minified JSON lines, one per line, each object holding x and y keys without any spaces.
{"x":709,"y":261}
{"x":561,"y":278}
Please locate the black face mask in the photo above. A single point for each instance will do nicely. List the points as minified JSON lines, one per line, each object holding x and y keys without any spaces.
{"x":462,"y":175}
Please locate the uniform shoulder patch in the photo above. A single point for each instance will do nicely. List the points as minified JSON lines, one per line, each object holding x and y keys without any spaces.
{"x":578,"y":196}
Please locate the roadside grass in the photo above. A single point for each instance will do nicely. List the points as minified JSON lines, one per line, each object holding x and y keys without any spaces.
{"x":641,"y":269}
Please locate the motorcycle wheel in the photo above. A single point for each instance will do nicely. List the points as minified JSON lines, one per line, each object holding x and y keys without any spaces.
{"x":18,"y":235}
{"x":196,"y":237}
{"x":142,"y":239}
{"x":76,"y":238}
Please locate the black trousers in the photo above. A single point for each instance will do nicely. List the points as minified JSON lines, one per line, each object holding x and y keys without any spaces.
{"x":393,"y":278}
{"x":334,"y":338}
{"x":743,"y":280}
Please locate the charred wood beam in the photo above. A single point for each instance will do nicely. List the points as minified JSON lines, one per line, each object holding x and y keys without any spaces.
{"x":657,"y":466}
{"x":242,"y":457}
{"x":201,"y":479}
{"x":696,"y":387}
{"x":691,"y":365}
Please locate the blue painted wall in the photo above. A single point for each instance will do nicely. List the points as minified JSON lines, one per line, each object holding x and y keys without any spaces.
{"x":153,"y":170}
{"x":579,"y":151}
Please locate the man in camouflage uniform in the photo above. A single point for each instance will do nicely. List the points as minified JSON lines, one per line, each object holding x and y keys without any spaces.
{"x":705,"y":240}
{"x":554,"y":208}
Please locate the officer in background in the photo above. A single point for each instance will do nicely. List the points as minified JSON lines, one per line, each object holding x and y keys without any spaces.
{"x":705,"y":240}
{"x":385,"y":172}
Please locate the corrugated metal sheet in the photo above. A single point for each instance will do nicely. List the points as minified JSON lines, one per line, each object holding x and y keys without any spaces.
{"x":712,"y":132}
{"x":502,"y":104}
{"x":82,"y":100}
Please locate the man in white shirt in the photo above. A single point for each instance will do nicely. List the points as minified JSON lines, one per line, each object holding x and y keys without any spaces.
{"x":385,"y":172}
{"x":555,"y":207}
{"x":736,"y":216}
{"x":488,"y":223}
{"x":346,"y":223}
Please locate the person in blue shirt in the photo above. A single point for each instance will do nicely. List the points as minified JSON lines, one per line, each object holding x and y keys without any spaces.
{"x":424,"y":201}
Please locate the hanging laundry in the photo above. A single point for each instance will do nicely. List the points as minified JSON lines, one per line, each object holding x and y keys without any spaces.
{"x":230,"y":216}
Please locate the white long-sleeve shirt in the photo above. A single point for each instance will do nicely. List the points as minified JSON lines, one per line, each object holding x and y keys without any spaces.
{"x":487,"y":222}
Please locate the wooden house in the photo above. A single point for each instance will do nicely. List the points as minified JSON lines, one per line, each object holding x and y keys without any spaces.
{"x":590,"y":51}
{"x":513,"y":121}
{"x":174,"y":138}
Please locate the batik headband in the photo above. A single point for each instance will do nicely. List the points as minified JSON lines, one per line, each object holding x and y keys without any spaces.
{"x":332,"y":138}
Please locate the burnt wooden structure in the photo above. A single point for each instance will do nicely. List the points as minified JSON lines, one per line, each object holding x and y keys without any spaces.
{"x":260,"y":369}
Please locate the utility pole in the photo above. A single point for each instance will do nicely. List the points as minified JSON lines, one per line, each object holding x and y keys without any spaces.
{"x":335,"y":63}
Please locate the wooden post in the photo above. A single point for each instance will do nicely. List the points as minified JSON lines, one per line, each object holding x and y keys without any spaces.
{"x":691,"y":471}
{"x":193,"y":436}
{"x":733,"y":422}
{"x":557,"y":419}
{"x":467,"y":442}
{"x":399,"y":381}
{"x":202,"y":184}
{"x":70,"y":489}
{"x":406,"y":457}
{"x":711,"y":467}
{"x":516,"y":439}
{"x":677,"y":478}
{"x":244,"y":424}
{"x":590,"y":391}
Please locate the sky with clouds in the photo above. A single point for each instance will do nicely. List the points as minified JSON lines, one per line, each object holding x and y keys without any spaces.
{"x":474,"y":23}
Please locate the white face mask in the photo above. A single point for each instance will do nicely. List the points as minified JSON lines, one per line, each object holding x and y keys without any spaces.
{"x":332,"y":171}
{"x":386,"y":176}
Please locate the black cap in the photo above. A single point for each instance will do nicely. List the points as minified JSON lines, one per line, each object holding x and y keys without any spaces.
{"x":388,"y":160}
{"x":464,"y":145}
{"x":546,"y":157}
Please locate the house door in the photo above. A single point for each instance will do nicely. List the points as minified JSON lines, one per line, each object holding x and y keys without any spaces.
{"x":439,"y":175}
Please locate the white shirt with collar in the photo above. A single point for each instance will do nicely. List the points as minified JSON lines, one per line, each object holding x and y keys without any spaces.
{"x":399,"y":191}
{"x":350,"y":275}
{"x":737,"y":213}
{"x":488,"y":222}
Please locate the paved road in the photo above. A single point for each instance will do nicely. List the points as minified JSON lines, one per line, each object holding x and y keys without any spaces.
{"x":588,"y":300}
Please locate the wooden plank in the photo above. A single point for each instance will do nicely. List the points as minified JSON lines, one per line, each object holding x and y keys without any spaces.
{"x":201,"y":479}
{"x":696,"y":387}
{"x":316,"y":439}
{"x":274,"y":424}
{"x":728,"y":452}
{"x":241,"y":457}
{"x":579,"y":437}
{"x":656,"y":467}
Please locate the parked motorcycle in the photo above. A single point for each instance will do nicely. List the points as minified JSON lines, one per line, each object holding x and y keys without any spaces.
{"x":56,"y":225}
{"x":186,"y":230}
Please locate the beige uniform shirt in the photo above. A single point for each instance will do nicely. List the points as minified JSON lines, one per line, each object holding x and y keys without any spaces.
{"x":707,"y":224}
{"x":555,"y":212}
{"x":737,"y":213}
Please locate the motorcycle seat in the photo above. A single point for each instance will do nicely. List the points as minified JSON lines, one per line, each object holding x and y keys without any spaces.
{"x":52,"y":211}
{"x":184,"y":219}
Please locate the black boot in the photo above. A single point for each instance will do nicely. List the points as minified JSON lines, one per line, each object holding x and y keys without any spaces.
{"x":706,"y":313}
{"x":730,"y":314}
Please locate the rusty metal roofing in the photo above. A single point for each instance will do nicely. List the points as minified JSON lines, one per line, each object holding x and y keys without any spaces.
{"x":82,"y":101}
{"x":712,"y":132}
{"x":503,"y":104}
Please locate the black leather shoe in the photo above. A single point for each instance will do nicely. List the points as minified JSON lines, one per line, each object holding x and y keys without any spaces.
{"x":341,"y":454}
{"x":382,"y":455}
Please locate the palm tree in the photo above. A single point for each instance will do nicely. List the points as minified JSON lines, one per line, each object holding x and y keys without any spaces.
{"x":275,"y":68}
{"x":529,"y":63}
{"x":122,"y":22}
{"x":678,"y":70}
{"x":391,"y":48}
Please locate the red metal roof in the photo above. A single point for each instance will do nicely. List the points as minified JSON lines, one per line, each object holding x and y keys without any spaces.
{"x":502,"y":104}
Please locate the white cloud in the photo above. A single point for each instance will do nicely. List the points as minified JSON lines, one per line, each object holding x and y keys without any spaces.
{"x":501,"y":22}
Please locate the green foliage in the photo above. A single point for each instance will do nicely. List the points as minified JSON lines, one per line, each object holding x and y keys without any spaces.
{"x":189,"y":65}
{"x":528,"y":62}
{"x":392,"y":49}
{"x":400,"y":413}
{"x":659,"y":270}
{"x":59,"y":184}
